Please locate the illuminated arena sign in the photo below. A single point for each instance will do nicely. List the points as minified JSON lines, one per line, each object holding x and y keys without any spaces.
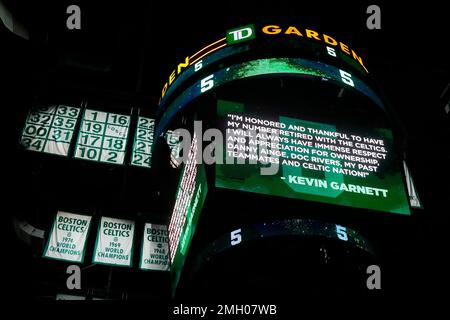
{"x":50,"y":129}
{"x":339,"y":161}
{"x":102,"y":137}
{"x":311,"y":34}
{"x":141,"y":155}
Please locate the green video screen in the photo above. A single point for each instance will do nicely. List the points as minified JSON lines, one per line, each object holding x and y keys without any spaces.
{"x":143,"y":142}
{"x":283,"y":156}
{"x":50,"y":129}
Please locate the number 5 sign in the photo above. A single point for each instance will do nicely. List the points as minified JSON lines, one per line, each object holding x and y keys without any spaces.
{"x":102,"y":137}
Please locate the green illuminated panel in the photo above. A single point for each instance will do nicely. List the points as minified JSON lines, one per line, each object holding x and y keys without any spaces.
{"x":102,"y":137}
{"x":50,"y":129}
{"x":264,"y":67}
{"x":314,"y":161}
{"x":143,"y":143}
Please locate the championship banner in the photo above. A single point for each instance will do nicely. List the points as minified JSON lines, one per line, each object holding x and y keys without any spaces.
{"x":68,"y":237}
{"x":155,"y":248}
{"x":114,"y":245}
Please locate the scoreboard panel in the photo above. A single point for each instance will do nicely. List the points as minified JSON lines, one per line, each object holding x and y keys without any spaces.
{"x":50,"y":129}
{"x":265,"y":67}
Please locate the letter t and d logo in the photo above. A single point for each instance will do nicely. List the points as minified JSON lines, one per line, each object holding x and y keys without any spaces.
{"x":241,"y":34}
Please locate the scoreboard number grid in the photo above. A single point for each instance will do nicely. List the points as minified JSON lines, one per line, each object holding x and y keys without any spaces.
{"x":50,"y":129}
{"x":102,"y":137}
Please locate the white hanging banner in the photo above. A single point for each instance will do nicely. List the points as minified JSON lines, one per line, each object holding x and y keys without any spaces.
{"x":155,"y":248}
{"x":68,"y":237}
{"x":61,"y":296}
{"x":114,"y":245}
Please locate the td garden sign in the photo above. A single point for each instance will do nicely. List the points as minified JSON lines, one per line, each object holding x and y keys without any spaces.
{"x":114,"y":243}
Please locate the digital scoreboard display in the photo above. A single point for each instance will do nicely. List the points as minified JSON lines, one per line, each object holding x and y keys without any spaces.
{"x":102,"y":137}
{"x":190,"y":196}
{"x":143,"y":143}
{"x":295,"y":67}
{"x":280,"y":228}
{"x":255,"y":41}
{"x":50,"y":129}
{"x":295,"y":158}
